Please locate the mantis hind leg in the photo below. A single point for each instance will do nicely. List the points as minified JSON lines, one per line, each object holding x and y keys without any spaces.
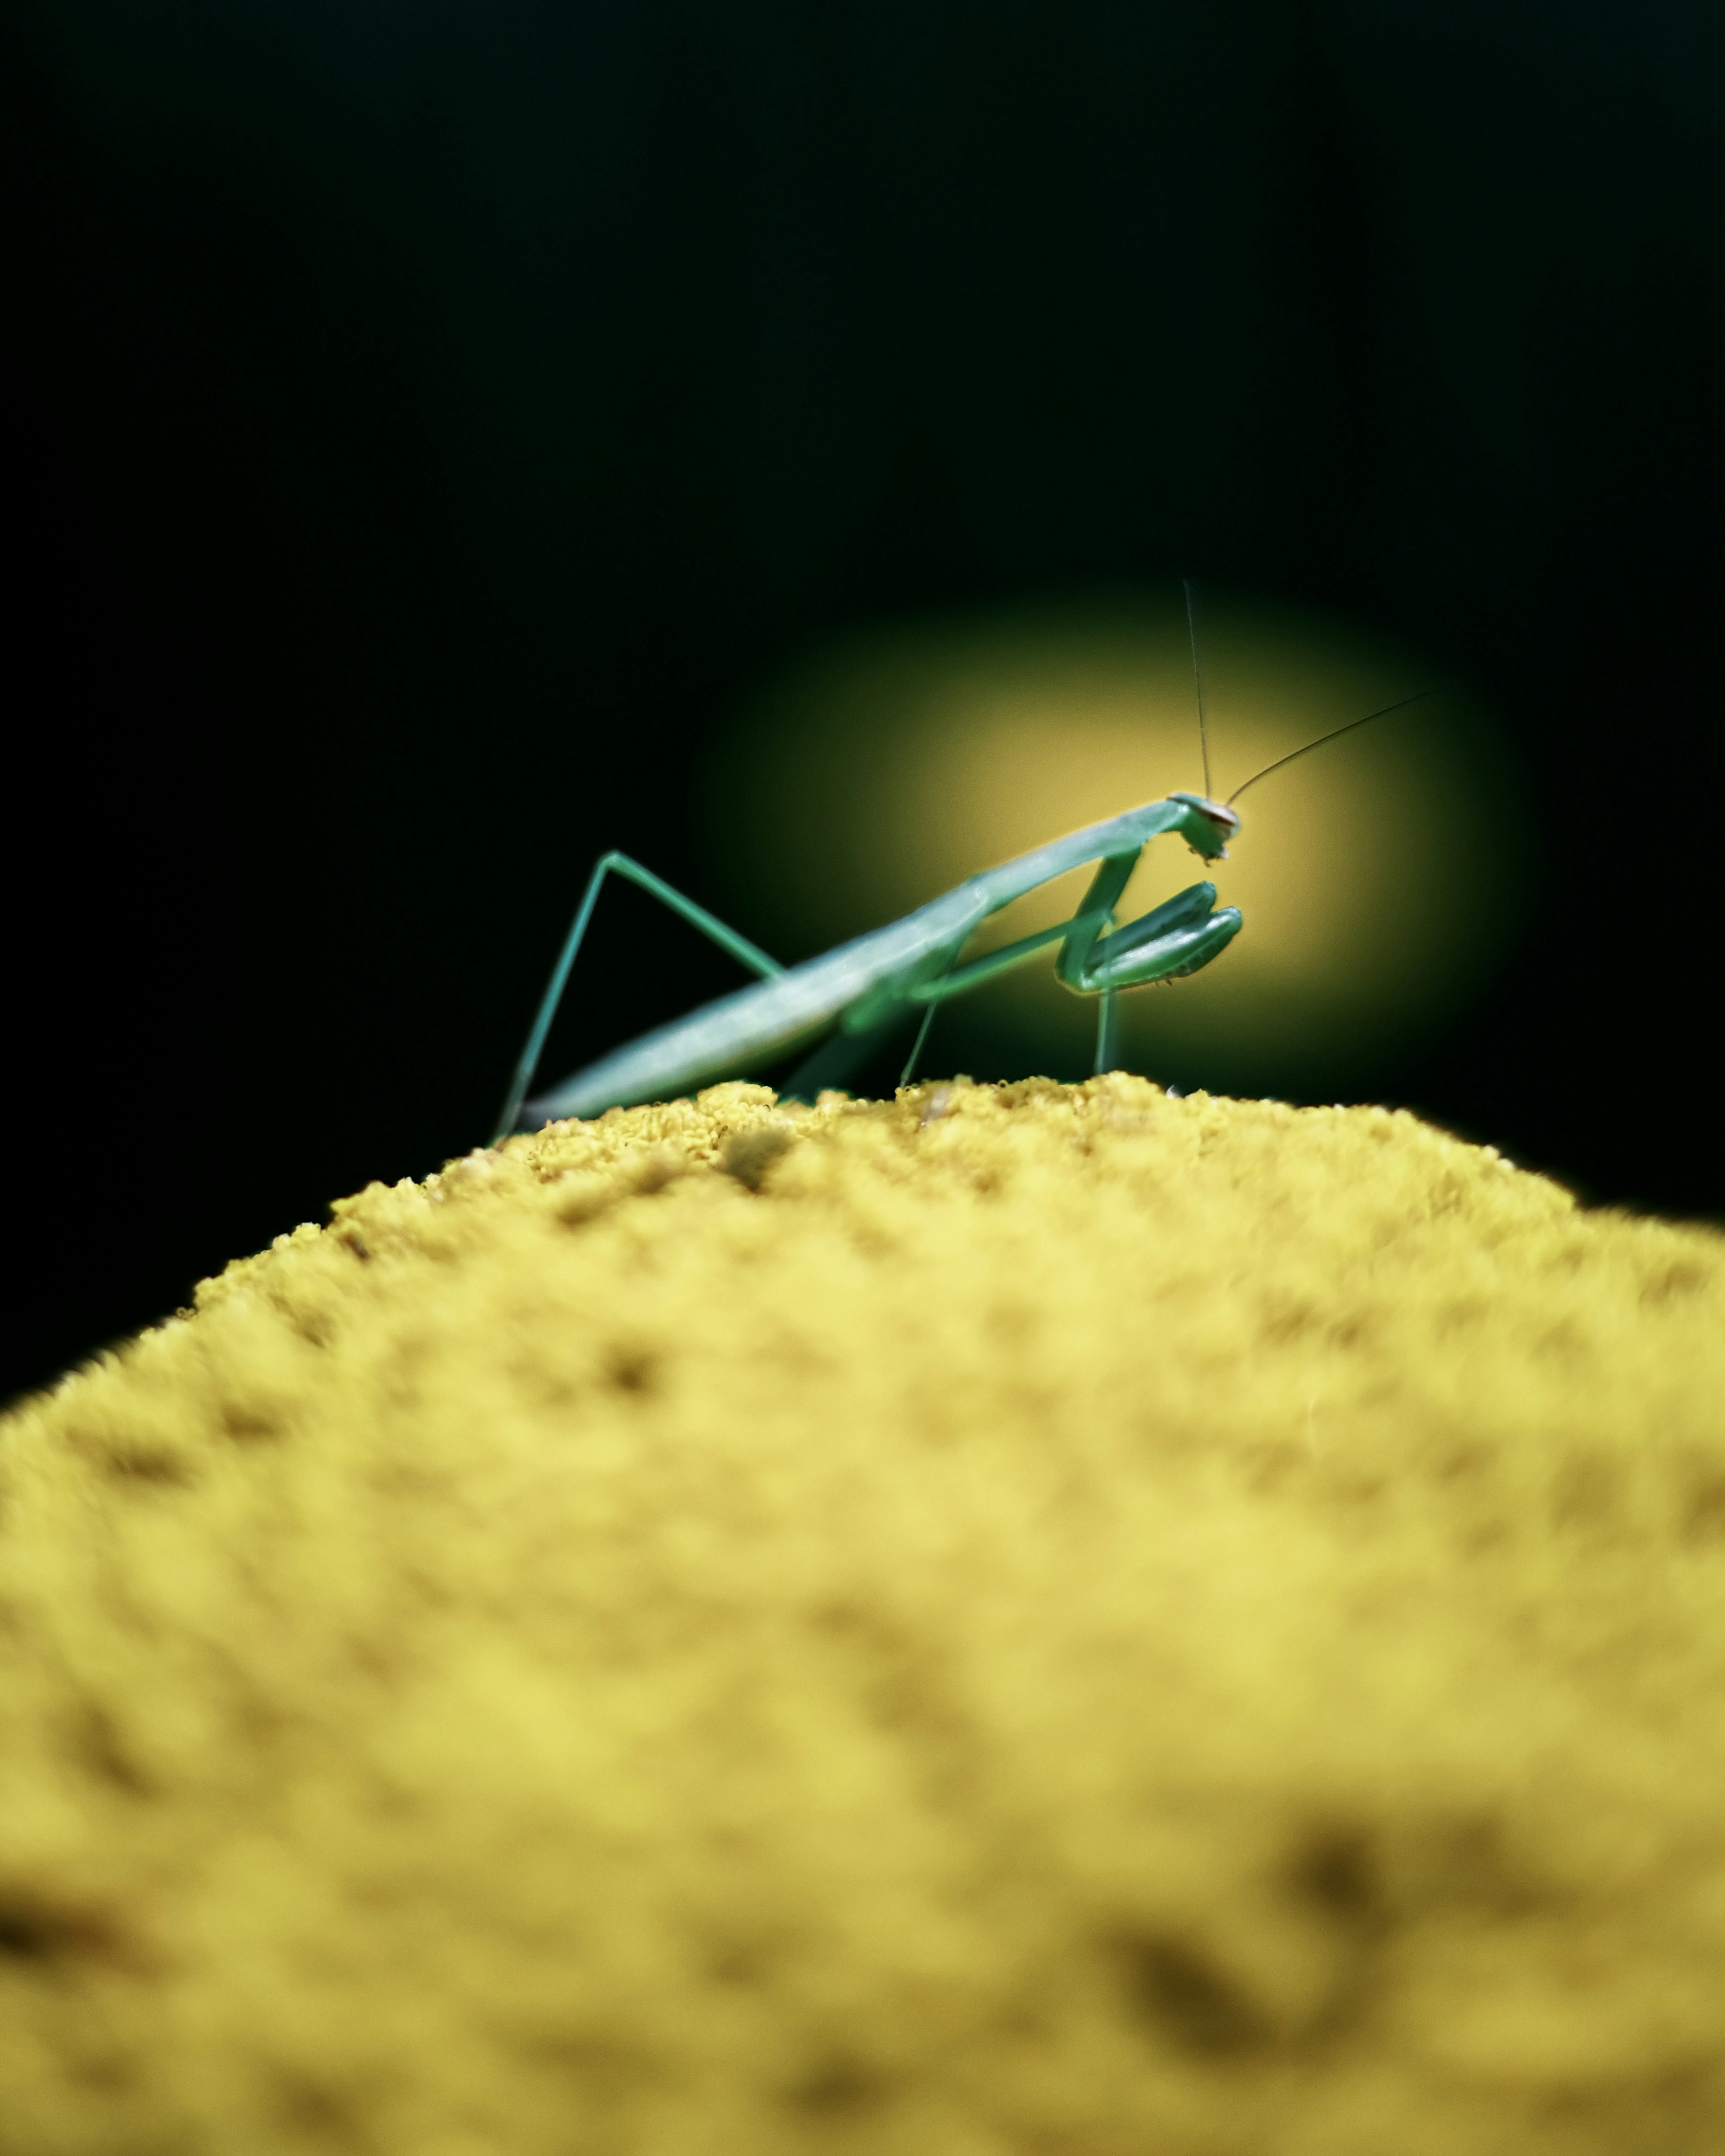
{"x":709,"y":924}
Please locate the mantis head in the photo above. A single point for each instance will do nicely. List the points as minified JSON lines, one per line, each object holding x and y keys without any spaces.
{"x":1207,"y":826}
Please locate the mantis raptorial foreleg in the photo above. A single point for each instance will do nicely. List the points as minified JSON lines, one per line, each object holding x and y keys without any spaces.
{"x":1080,"y":933}
{"x":1173,"y":939}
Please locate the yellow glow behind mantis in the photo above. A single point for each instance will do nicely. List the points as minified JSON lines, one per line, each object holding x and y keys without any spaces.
{"x":1375,"y":875}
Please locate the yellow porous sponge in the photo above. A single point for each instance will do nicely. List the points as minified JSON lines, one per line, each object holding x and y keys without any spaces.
{"x":1044,"y":1620}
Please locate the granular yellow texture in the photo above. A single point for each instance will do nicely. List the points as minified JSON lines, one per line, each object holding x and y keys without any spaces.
{"x":1047,"y":1620}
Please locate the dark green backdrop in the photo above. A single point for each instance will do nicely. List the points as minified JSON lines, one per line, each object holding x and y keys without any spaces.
{"x":427,"y":422}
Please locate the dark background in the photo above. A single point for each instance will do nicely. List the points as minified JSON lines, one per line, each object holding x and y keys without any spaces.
{"x":425,"y":424}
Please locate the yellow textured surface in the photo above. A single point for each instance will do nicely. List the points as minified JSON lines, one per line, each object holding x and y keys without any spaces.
{"x":1044,"y":1620}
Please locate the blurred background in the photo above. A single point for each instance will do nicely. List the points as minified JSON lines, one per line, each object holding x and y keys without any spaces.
{"x":442,"y":441}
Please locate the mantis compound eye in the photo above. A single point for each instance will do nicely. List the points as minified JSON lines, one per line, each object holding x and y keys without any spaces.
{"x":1214,"y":825}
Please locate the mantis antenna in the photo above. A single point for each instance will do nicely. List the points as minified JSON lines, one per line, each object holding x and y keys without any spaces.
{"x":1204,"y":731}
{"x":1417,"y":697}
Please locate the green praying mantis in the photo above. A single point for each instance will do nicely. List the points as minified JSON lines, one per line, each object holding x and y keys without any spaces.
{"x":849,"y":1000}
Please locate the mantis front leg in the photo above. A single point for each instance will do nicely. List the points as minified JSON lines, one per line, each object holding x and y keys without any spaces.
{"x":1173,"y":939}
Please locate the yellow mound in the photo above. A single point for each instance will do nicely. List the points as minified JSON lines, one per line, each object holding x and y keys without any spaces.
{"x":1044,"y":1620}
